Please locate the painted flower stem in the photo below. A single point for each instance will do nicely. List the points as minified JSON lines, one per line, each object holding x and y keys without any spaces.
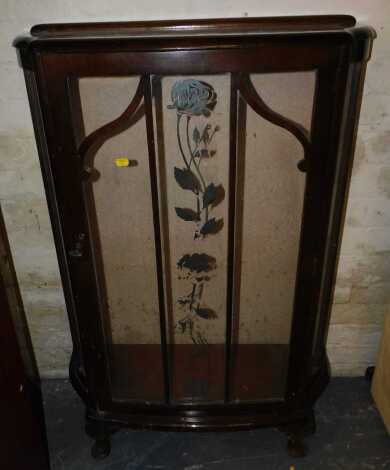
{"x":179,"y":142}
{"x":192,"y":296}
{"x":193,"y":154}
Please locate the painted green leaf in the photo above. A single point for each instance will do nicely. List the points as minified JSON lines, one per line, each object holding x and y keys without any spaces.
{"x":187,"y":180}
{"x":209,"y":195}
{"x":213,"y":195}
{"x":187,"y":214}
{"x":211,"y":227}
{"x":219,"y":195}
{"x":206,"y":313}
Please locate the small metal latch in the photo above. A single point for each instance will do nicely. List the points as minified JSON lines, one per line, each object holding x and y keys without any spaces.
{"x":77,"y":251}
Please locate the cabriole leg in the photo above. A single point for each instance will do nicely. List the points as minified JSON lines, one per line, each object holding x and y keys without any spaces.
{"x":297,"y":431}
{"x":99,"y":431}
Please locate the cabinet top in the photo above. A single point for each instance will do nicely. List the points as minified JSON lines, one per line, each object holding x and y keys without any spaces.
{"x":65,"y":35}
{"x":213,"y":27}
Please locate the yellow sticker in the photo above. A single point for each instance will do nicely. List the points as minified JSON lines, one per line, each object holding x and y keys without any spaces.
{"x":121,"y":162}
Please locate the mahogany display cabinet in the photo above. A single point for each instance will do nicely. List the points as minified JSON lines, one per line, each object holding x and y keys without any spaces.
{"x":197,"y":174}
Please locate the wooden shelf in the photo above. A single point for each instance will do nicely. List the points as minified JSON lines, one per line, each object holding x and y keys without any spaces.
{"x":198,"y":372}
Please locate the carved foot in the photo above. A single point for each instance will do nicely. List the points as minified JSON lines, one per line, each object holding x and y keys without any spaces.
{"x":296,"y":432}
{"x":296,"y":447}
{"x":100,"y":432}
{"x":101,"y":448}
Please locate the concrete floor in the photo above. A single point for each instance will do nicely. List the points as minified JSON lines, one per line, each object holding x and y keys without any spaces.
{"x":350,"y":436}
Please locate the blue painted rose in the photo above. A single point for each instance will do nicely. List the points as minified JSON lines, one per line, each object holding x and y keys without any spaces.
{"x":193,"y":97}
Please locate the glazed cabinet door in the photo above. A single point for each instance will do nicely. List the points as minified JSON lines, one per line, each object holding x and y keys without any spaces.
{"x":194,"y":193}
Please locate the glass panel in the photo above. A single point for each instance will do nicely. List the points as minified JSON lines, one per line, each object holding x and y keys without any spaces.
{"x":192,"y":134}
{"x":195,"y":130}
{"x":271,"y":204}
{"x":123,"y":209}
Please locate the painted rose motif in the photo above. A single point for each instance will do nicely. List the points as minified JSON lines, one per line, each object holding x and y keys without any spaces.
{"x":197,"y":269}
{"x":194,"y":100}
{"x":193,"y":97}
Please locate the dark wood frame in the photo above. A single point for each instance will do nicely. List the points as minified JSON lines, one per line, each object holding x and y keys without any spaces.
{"x":20,"y":387}
{"x":53,"y":56}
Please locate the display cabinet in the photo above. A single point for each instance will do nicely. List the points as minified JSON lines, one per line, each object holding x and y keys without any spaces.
{"x":197,"y":173}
